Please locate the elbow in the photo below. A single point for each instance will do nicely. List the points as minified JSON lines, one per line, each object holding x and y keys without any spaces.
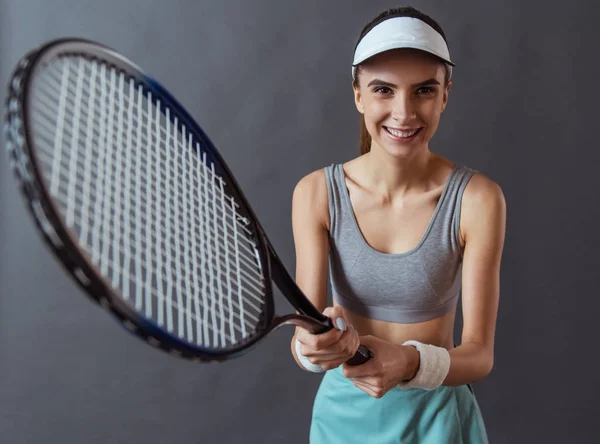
{"x":481,"y":371}
{"x":487,"y":365}
{"x":483,"y":363}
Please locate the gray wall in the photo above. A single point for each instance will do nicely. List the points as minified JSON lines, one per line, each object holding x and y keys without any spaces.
{"x":270,"y":82}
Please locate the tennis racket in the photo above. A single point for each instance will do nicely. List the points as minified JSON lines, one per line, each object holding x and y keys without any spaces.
{"x":138,"y":205}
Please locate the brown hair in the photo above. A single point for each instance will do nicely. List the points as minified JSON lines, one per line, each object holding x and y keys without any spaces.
{"x":406,"y":11}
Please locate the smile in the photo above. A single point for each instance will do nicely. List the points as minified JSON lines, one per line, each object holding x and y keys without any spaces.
{"x":402,"y":134}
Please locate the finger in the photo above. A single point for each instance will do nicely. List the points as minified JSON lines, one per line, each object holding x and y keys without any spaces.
{"x":325,"y":340}
{"x":374,"y":383}
{"x":337,"y":350}
{"x":349,"y":344}
{"x":342,"y":349}
{"x":331,"y":364}
{"x":368,"y":369}
{"x":328,"y":311}
{"x":338,"y":317}
{"x":362,"y":383}
{"x":375,"y":392}
{"x":333,"y":358}
{"x":370,"y":342}
{"x":345,"y":345}
{"x":320,"y":341}
{"x":365,"y":388}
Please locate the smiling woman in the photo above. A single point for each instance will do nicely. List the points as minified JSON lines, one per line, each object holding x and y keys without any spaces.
{"x":401,"y":231}
{"x":401,"y":94}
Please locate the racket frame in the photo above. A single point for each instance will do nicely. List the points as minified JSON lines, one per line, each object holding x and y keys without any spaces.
{"x":62,"y":241}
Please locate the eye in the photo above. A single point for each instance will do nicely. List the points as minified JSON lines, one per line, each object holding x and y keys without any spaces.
{"x":426,"y":90}
{"x":382,"y":90}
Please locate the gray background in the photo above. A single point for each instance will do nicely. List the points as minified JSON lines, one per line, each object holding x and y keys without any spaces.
{"x":270,"y":83}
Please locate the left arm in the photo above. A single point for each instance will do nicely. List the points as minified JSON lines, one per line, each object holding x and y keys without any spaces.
{"x":483,"y":225}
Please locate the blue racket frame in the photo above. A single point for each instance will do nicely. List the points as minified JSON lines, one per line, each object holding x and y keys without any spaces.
{"x":63,"y":244}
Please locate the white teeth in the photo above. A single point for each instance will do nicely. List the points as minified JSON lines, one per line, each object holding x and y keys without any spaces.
{"x":399,"y":133}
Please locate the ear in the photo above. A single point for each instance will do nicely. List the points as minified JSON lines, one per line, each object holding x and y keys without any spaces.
{"x":445,"y":98}
{"x":358,"y":99}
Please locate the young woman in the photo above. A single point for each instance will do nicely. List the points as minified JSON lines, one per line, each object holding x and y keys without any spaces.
{"x":401,"y":230}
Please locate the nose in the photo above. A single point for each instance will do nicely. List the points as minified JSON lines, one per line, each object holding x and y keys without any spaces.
{"x":403,"y":108}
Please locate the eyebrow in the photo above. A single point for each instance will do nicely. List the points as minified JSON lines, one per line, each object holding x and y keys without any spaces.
{"x":379,"y":82}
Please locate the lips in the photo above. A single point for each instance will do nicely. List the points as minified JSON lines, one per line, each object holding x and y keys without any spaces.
{"x":402,"y":134}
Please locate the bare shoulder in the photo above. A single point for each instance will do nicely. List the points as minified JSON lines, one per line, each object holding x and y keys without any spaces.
{"x":483,"y":206}
{"x":311,"y":197}
{"x":481,"y":189}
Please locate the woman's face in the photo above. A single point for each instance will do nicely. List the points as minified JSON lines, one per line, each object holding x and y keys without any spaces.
{"x":401,"y":94}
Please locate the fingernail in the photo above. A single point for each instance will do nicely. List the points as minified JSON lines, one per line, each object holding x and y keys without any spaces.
{"x":341,"y":325}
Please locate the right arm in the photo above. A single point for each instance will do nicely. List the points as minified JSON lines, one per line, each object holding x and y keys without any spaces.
{"x":310,"y":224}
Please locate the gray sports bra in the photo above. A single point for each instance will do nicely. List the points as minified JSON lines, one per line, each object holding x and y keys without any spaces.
{"x":418,"y":285}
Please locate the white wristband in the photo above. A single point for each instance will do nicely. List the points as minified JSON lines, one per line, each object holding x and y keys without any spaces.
{"x":305,"y":362}
{"x":433,"y":369}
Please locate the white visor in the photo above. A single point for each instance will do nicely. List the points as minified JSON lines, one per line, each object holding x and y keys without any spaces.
{"x":401,"y":32}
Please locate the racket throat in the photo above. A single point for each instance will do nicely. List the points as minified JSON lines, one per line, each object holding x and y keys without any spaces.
{"x":293,"y":293}
{"x":305,"y":322}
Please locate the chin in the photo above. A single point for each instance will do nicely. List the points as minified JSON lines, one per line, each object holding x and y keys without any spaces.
{"x":401,"y":150}
{"x":401,"y":153}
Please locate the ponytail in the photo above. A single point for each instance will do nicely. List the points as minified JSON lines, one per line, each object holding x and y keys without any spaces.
{"x":365,"y":137}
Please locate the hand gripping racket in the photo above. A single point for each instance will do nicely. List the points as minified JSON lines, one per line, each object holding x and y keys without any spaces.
{"x":139,"y":206}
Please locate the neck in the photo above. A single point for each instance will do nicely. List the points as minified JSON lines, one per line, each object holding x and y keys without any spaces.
{"x":396,"y":177}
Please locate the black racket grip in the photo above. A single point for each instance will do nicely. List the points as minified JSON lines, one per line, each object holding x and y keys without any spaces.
{"x":362,"y":355}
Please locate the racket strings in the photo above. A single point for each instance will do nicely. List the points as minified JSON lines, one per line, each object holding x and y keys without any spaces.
{"x":250,"y":272}
{"x":253,"y":313}
{"x":46,"y":121}
{"x":79,"y":163}
{"x":250,"y":282}
{"x":54,"y":87}
{"x":146,"y":203}
{"x":141,"y":222}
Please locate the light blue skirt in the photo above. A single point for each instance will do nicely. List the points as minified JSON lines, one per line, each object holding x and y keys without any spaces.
{"x":345,"y":414}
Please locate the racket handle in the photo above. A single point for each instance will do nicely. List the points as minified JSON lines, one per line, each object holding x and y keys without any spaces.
{"x":362,"y":355}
